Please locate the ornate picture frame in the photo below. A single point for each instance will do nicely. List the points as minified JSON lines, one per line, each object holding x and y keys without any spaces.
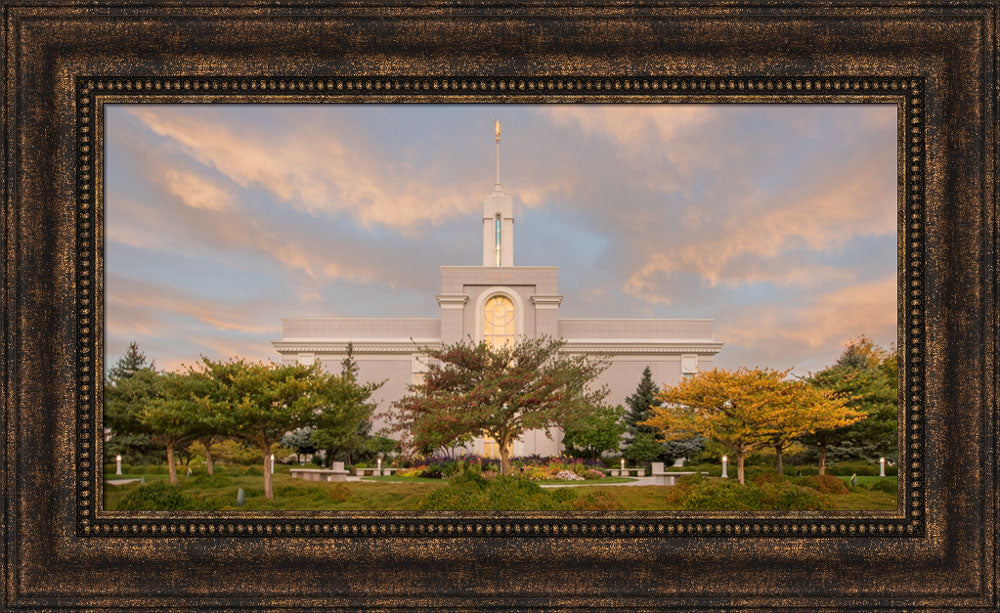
{"x":936,"y":62}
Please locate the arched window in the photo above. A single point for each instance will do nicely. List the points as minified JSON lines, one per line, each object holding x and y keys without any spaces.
{"x":498,"y":321}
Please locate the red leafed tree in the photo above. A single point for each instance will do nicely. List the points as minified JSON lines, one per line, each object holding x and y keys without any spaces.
{"x":501,"y":391}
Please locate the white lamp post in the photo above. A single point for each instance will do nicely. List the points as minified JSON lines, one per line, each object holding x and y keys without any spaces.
{"x":881,"y":467}
{"x":725,"y":467}
{"x":379,"y":468}
{"x":272,"y":463}
{"x":623,"y":463}
{"x":118,"y":461}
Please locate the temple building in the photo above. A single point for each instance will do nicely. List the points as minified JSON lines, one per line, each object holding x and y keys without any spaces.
{"x":500,"y":302}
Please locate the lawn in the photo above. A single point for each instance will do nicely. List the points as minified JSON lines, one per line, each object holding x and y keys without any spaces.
{"x":605,"y":481}
{"x":201,"y":492}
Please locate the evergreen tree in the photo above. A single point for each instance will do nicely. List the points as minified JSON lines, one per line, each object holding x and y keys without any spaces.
{"x":129,"y":386}
{"x":640,"y":405}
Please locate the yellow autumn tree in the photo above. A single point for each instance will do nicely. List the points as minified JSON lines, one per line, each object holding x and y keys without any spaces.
{"x":800,"y":409}
{"x":744,"y":410}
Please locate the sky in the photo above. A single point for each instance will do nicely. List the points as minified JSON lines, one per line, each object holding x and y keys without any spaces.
{"x":776,"y":221}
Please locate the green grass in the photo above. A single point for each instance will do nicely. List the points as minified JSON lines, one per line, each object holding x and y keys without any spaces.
{"x":402,"y":493}
{"x":395,"y":479}
{"x":595,"y":482}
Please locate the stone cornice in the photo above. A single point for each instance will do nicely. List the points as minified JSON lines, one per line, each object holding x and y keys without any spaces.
{"x":393,"y":346}
{"x":546,"y":301}
{"x":653,"y":347}
{"x":452,"y":301}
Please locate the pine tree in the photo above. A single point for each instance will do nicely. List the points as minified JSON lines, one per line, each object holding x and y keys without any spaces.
{"x":641,"y":403}
{"x":130,"y":363}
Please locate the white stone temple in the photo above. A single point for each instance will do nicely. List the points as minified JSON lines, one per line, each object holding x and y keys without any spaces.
{"x":499,"y":302}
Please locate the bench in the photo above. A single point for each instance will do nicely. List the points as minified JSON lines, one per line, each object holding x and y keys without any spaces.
{"x":374,"y":472}
{"x":337,"y":473}
{"x":625,"y":472}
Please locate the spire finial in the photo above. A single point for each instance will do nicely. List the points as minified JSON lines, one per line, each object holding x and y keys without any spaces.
{"x":496,"y":129}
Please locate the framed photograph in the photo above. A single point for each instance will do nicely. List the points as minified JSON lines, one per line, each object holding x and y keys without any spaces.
{"x":494,"y":306}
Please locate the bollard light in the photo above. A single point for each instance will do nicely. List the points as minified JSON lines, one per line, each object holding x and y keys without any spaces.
{"x":118,"y":462}
{"x":725,"y":467}
{"x":881,"y":467}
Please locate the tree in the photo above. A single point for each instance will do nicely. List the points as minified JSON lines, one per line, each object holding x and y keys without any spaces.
{"x":300,"y":440}
{"x":865,"y":375}
{"x":178,"y":414}
{"x":343,"y":418}
{"x":641,"y":403}
{"x":643,"y":447}
{"x":343,"y":423}
{"x":800,"y":409}
{"x":262,"y":401}
{"x":497,"y":391}
{"x":130,"y":384}
{"x":596,"y":432}
{"x":730,"y":408}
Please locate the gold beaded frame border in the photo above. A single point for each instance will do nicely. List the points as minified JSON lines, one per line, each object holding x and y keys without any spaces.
{"x":93,"y":92}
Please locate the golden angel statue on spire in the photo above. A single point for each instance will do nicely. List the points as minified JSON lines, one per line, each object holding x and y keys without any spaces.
{"x":496,"y":128}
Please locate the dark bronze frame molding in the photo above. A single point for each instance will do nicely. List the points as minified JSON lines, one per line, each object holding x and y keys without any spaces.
{"x":64,"y":60}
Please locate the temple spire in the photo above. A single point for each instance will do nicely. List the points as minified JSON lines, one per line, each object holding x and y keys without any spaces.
{"x":496,"y":129}
{"x":498,"y":218}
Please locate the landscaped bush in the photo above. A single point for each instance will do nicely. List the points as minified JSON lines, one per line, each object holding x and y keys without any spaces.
{"x":597,"y":501}
{"x":883,"y":485}
{"x":472,"y":492}
{"x":253,"y":471}
{"x":158,"y":496}
{"x":714,"y":495}
{"x":203,"y":480}
{"x":846,"y":469}
{"x":806,"y":471}
{"x":824,"y":484}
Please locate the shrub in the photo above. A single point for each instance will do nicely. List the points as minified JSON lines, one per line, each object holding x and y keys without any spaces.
{"x":767,"y":477}
{"x":472,"y":492}
{"x":339,"y":493}
{"x":846,"y":469}
{"x":204,"y":480}
{"x":596,"y":501}
{"x":806,"y":471}
{"x":883,"y":485}
{"x":825,"y":484}
{"x":158,"y":496}
{"x":718,"y":495}
{"x":253,"y":471}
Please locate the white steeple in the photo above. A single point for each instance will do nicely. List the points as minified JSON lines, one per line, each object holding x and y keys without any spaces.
{"x":498,"y":220}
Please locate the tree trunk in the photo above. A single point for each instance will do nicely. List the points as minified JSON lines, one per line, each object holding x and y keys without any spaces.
{"x":822,"y":458}
{"x":504,"y":460}
{"x":209,"y":467}
{"x":777,"y":452}
{"x":739,"y":467}
{"x":267,"y":472}
{"x":171,"y":468}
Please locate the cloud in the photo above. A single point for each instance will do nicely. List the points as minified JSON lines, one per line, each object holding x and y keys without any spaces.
{"x":821,"y":324}
{"x":144,"y":306}
{"x":318,"y":169}
{"x":755,"y":241}
{"x":196,"y":191}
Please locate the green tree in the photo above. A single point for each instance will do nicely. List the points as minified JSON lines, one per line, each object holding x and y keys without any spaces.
{"x":260,"y":402}
{"x":865,"y":375}
{"x":300,"y":440}
{"x":497,"y":391}
{"x":343,"y":424}
{"x":130,"y":384}
{"x":343,"y":418}
{"x":178,"y":414}
{"x":641,"y":403}
{"x":643,"y":447}
{"x":598,"y":431}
